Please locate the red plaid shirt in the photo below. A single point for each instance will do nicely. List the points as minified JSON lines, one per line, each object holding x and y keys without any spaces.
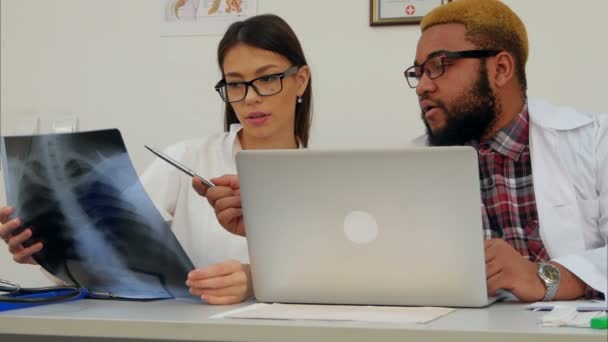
{"x":507,"y":192}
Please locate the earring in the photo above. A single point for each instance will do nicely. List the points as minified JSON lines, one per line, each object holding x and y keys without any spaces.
{"x":299,"y":99}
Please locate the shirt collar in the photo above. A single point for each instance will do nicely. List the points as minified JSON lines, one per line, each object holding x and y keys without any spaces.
{"x":546,"y":115}
{"x":512,"y":139}
{"x":233,"y":144}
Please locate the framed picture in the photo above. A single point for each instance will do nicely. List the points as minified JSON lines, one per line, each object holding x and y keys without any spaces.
{"x":400,"y":12}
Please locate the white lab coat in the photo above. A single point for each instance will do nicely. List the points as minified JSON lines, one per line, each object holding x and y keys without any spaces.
{"x":569,"y":152}
{"x":193,"y":220}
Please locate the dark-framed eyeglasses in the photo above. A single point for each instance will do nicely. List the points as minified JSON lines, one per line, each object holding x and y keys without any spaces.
{"x":435,"y":65}
{"x":264,"y":85}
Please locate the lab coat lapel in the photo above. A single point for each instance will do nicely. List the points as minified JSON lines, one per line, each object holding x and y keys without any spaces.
{"x":558,"y":212}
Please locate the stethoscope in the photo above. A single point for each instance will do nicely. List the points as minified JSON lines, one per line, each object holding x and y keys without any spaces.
{"x":14,"y":293}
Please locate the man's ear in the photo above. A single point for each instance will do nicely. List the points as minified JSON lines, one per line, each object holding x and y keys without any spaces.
{"x":504,"y":69}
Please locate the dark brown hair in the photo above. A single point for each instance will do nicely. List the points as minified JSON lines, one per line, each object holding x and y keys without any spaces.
{"x":269,"y":32}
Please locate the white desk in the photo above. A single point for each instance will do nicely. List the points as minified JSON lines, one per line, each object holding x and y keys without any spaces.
{"x":184,"y":320}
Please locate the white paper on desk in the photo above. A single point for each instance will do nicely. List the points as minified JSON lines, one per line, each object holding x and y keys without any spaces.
{"x":377,"y":314}
{"x":567,"y":316}
{"x":580,"y":305}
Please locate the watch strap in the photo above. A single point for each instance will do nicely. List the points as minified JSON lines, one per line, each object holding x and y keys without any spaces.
{"x":551,"y":291}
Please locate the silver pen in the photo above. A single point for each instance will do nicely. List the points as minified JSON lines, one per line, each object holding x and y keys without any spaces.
{"x":178,"y":165}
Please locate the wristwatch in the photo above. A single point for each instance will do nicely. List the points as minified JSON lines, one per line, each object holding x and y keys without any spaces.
{"x":551,"y":276}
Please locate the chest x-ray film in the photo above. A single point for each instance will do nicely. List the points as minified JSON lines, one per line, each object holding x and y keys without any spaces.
{"x":82,"y":198}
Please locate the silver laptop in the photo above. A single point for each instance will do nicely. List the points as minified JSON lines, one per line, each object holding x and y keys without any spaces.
{"x":374,"y":227}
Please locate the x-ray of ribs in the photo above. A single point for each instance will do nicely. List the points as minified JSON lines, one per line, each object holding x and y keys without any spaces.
{"x":79,"y":206}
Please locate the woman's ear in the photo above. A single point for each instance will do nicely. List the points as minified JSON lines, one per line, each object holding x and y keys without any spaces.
{"x":504,"y":71}
{"x":302,"y":77}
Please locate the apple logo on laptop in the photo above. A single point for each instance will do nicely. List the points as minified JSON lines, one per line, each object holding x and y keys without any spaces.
{"x":360,"y":227}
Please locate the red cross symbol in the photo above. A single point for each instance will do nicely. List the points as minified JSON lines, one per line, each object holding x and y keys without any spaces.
{"x":410,"y":9}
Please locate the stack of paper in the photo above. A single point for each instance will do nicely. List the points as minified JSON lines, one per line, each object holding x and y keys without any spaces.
{"x":579,"y":305}
{"x":564,"y":316}
{"x":378,"y":314}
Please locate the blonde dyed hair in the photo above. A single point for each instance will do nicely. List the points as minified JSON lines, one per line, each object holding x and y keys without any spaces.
{"x":490,"y":24}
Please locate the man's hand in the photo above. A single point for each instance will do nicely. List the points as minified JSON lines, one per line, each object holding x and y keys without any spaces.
{"x":22,"y":255}
{"x":507,"y":269}
{"x":225,"y":198}
{"x":225,"y":283}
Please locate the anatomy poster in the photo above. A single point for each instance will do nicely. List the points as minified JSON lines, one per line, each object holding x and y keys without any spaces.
{"x":202,"y":17}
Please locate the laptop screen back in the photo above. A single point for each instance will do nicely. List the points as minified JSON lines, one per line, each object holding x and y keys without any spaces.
{"x":376,"y":227}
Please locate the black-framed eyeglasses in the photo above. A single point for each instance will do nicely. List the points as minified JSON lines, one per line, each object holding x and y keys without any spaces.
{"x":264,"y":85}
{"x":435,"y":65}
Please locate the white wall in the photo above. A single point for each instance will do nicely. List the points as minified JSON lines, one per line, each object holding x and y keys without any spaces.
{"x":104,"y":62}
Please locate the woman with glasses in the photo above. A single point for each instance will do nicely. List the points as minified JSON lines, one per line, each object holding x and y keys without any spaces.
{"x":267,"y":90}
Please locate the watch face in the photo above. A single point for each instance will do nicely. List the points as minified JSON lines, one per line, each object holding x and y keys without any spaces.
{"x":550,"y":272}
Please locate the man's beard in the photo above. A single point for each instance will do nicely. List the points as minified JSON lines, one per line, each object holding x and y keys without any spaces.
{"x":471,"y":116}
